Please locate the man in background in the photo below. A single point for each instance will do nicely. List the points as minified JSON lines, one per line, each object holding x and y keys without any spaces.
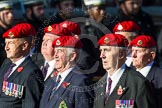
{"x":6,"y":21}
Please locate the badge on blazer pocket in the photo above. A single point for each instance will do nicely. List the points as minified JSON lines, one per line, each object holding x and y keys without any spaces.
{"x":12,"y":89}
{"x":63,"y":104}
{"x":124,"y":104}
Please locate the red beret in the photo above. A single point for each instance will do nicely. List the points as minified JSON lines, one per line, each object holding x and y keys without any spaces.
{"x":143,"y":41}
{"x":71,"y":26}
{"x":67,"y":41}
{"x":113,"y":40}
{"x":126,"y":26}
{"x":20,"y":30}
{"x":57,"y":30}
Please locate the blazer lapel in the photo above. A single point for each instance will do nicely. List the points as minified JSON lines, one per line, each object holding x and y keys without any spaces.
{"x":151,"y":73}
{"x":100,"y":92}
{"x":118,"y":91}
{"x":61,"y":90}
{"x":15,"y":73}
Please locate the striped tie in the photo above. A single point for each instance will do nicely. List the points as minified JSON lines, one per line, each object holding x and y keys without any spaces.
{"x":108,"y":89}
{"x":55,"y":86}
{"x":9,"y":71}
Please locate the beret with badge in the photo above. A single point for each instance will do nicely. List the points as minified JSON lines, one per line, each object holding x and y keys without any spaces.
{"x":57,"y":30}
{"x":144,"y":41}
{"x":113,"y":40}
{"x":71,"y":26}
{"x":67,"y":41}
{"x":126,"y":26}
{"x":20,"y":30}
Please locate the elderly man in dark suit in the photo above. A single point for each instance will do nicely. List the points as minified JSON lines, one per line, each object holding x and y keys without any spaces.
{"x":67,"y":86}
{"x":143,"y":55}
{"x":21,"y":81}
{"x":120,"y":86}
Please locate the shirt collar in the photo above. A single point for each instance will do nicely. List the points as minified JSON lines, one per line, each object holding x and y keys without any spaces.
{"x":144,"y":71}
{"x":20,"y":61}
{"x":118,"y":73}
{"x":51,"y":63}
{"x":65,"y":73}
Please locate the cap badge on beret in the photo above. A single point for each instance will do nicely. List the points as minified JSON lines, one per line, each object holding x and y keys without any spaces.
{"x":139,"y":42}
{"x":120,"y":27}
{"x":49,"y":28}
{"x":58,"y":42}
{"x":10,"y":34}
{"x":106,"y":40}
{"x":64,"y":25}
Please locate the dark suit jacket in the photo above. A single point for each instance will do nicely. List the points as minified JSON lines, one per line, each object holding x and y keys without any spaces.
{"x":73,"y":95}
{"x":31,"y":78}
{"x":136,"y":88}
{"x":155,"y":78}
{"x":38,"y":59}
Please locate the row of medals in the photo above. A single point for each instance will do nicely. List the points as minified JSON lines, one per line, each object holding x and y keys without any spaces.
{"x":12,"y":89}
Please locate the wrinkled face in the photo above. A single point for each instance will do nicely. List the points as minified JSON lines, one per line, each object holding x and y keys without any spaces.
{"x":46,"y":48}
{"x":141,"y":57}
{"x":61,"y":57}
{"x":14,"y":48}
{"x":6,"y":16}
{"x":132,"y":6}
{"x":96,"y":12}
{"x":66,"y":8}
{"x":109,"y":56}
{"x":38,"y":11}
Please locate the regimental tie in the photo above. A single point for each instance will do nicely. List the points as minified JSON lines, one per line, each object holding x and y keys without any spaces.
{"x":45,"y":69}
{"x":108,"y":89}
{"x":55,"y":86}
{"x":9,"y":71}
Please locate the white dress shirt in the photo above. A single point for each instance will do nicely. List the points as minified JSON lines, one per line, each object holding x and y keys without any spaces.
{"x":128,"y":61}
{"x":17,"y":64}
{"x":144,"y":71}
{"x":50,"y":68}
{"x":115,"y":78}
{"x":64,"y":75}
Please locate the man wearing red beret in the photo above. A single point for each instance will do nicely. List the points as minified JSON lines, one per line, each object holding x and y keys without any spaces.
{"x":67,"y":85}
{"x":143,"y":55}
{"x":71,"y":26}
{"x":129,"y":29}
{"x":121,"y":86}
{"x":21,"y":81}
{"x":46,"y":63}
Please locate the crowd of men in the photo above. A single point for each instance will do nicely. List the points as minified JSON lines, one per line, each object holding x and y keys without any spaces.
{"x":97,"y":61}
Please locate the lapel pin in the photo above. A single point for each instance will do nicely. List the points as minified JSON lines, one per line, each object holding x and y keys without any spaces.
{"x":65,"y":84}
{"x":19,"y":69}
{"x":120,"y":90}
{"x":63,"y":104}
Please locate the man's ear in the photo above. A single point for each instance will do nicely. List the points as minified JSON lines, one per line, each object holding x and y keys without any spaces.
{"x":153,"y":54}
{"x":25,"y":45}
{"x":122,"y":54}
{"x":73,"y":56}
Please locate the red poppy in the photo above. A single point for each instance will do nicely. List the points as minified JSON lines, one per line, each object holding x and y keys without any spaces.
{"x":20,"y":69}
{"x":120,"y":90}
{"x":65,"y":84}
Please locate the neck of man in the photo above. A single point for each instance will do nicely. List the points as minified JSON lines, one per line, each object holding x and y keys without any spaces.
{"x":68,"y":65}
{"x":16,"y":59}
{"x":112,"y":70}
